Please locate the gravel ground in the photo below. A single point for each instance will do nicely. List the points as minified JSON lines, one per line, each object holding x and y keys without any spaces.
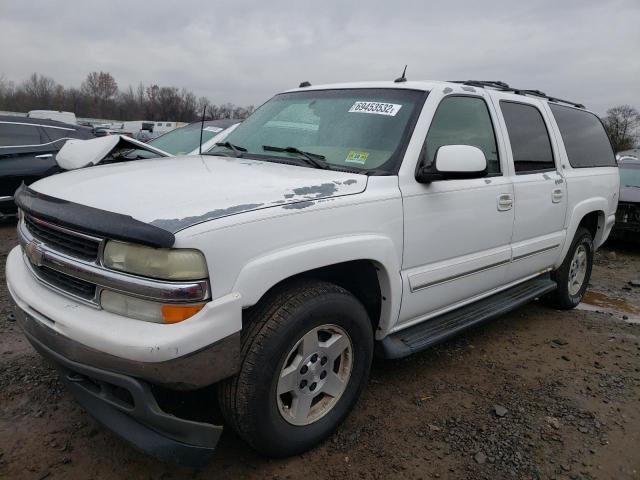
{"x":538,"y":393}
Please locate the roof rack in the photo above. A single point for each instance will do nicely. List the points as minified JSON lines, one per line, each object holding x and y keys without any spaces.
{"x":502,"y":86}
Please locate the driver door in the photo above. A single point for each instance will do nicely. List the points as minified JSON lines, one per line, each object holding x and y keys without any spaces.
{"x":457,"y":231}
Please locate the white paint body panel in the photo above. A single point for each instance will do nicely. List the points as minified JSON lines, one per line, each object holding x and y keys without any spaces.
{"x":436,"y":246}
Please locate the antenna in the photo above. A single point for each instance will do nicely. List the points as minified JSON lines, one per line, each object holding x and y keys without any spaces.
{"x":304,"y":84}
{"x":403,"y":78}
{"x":204,"y":111}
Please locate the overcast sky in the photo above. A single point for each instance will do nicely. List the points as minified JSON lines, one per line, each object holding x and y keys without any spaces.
{"x":245,"y":51}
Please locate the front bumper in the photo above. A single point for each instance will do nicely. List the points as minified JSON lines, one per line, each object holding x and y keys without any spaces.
{"x":129,"y":408}
{"x":191,"y":354}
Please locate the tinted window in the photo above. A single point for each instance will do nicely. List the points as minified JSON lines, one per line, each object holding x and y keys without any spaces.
{"x":528,"y":136}
{"x":630,"y":175}
{"x":58,"y":133}
{"x":462,"y":121}
{"x":584,"y":137}
{"x":12,"y":134}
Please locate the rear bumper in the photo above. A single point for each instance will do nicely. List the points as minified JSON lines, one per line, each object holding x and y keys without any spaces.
{"x":128,"y":407}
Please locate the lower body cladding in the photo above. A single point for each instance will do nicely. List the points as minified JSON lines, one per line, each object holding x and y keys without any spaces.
{"x":127,"y":404}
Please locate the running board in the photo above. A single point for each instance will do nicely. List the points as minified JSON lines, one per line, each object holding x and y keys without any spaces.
{"x":435,"y":330}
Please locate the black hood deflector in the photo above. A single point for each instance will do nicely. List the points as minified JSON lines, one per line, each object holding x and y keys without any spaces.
{"x":92,"y":221}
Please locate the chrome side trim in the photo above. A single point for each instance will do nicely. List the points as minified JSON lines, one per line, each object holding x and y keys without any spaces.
{"x":6,"y":199}
{"x":147,"y":288}
{"x":458,"y":276}
{"x":535,"y":252}
{"x":38,"y":125}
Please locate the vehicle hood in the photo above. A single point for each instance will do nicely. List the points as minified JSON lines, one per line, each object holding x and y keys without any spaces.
{"x":177,"y":192}
{"x":76,"y":154}
{"x":630,"y":194}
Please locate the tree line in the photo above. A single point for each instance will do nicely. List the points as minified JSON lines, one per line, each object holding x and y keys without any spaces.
{"x":99,"y":96}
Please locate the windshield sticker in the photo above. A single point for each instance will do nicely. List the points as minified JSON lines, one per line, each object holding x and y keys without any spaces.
{"x":377,"y":108}
{"x":213,"y":129}
{"x":357,"y":157}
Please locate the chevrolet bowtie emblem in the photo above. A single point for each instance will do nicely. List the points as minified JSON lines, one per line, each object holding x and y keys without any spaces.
{"x":34,"y":253}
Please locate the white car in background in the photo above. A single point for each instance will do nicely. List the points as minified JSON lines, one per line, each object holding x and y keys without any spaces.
{"x":118,"y":148}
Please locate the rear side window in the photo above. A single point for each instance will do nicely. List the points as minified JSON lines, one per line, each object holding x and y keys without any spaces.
{"x":529,"y":138}
{"x":462,"y":120}
{"x":57,"y":133}
{"x":12,"y":134}
{"x":584,"y":137}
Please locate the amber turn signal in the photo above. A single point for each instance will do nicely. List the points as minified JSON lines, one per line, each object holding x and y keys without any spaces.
{"x":178,"y":313}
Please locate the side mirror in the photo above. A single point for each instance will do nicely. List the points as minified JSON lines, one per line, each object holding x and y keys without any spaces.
{"x":454,"y":161}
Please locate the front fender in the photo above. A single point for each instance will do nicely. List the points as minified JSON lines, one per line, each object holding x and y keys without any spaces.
{"x":261,"y":273}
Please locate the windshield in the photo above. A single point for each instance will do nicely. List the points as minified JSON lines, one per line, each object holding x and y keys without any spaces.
{"x":354,"y":129}
{"x":184,"y":140}
{"x":180,"y":141}
{"x":630,"y":176}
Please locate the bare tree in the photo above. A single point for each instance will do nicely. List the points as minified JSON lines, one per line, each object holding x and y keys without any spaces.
{"x":100,"y":97}
{"x":622,"y":124}
{"x":38,"y":91}
{"x":101,"y":86}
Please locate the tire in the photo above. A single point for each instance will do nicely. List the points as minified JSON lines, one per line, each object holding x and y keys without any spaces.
{"x":566,"y":297}
{"x":251,"y":401}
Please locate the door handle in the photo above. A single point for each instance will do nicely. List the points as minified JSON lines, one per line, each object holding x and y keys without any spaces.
{"x":556,"y":195}
{"x":505,"y":202}
{"x":45,"y":155}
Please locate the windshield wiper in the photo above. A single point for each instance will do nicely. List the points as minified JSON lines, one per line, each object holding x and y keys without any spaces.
{"x":237,"y":150}
{"x":308,"y":156}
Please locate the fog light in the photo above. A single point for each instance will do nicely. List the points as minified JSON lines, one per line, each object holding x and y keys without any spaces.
{"x":147,"y":310}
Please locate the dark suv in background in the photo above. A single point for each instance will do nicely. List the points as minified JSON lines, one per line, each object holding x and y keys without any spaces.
{"x":627,"y":225}
{"x":27,"y":153}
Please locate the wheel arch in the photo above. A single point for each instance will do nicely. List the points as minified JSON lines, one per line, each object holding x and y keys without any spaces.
{"x":367,"y":266}
{"x":591,"y":215}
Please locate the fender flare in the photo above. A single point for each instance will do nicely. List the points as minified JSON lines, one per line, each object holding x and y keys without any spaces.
{"x":262,"y":273}
{"x":580,"y":210}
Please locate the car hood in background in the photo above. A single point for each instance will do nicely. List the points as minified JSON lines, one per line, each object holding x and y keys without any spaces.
{"x":175,"y":193}
{"x":76,"y":154}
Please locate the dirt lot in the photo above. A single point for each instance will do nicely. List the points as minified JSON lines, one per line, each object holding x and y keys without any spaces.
{"x":537,"y":394}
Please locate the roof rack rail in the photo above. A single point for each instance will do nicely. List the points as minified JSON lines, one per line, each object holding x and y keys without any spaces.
{"x":518,"y":91}
{"x":484,"y":83}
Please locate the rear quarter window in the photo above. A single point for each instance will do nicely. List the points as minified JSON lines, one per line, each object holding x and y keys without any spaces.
{"x":13,"y":134}
{"x":584,"y":138}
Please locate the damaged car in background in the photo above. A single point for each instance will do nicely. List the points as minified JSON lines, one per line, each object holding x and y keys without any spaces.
{"x":31,"y":149}
{"x":335,"y":222}
{"x":627,"y":225}
{"x":28,"y":147}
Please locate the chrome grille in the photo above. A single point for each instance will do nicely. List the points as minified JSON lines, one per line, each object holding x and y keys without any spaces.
{"x":64,"y":240}
{"x":67,"y":283}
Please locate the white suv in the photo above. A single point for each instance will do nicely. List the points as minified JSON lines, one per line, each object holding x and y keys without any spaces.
{"x":335,"y":222}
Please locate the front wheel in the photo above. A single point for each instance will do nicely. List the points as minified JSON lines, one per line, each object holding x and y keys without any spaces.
{"x":574,"y":274}
{"x":306,"y":354}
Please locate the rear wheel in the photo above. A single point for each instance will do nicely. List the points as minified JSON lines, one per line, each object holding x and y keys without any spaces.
{"x":575,"y":272}
{"x":306,"y":354}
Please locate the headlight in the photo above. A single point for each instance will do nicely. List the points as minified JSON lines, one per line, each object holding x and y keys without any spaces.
{"x":146,"y":310}
{"x":162,"y":263}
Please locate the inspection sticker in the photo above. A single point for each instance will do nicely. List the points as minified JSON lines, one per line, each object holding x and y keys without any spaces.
{"x":357,"y":157}
{"x":377,"y":108}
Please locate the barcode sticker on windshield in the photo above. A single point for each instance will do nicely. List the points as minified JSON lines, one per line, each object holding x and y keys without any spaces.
{"x":377,"y":108}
